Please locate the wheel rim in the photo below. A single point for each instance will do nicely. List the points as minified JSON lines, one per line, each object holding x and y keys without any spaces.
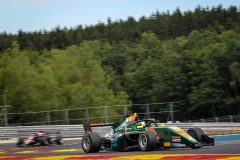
{"x":86,"y":143}
{"x":143,"y":141}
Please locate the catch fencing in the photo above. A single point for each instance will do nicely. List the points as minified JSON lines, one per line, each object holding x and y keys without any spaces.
{"x":76,"y":131}
{"x":162,"y":112}
{"x":228,"y":118}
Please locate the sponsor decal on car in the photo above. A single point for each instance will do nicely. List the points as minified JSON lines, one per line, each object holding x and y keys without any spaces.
{"x":176,"y":139}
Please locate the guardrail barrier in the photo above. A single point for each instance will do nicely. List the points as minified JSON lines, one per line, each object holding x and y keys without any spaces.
{"x":76,"y":131}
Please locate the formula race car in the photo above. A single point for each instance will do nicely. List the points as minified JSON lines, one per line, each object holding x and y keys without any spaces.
{"x":146,"y":135}
{"x":41,"y":138}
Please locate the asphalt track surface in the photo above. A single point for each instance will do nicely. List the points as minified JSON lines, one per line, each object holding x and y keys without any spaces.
{"x":224,"y":146}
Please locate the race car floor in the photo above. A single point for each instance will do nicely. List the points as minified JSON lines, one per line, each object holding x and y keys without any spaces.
{"x":227,"y":147}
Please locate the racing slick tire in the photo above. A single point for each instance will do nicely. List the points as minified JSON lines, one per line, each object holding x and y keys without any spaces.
{"x":197,"y":134}
{"x":43,"y":141}
{"x":59,"y":140}
{"x":20,"y":142}
{"x":91,"y":142}
{"x":123,"y":147}
{"x":147,"y":141}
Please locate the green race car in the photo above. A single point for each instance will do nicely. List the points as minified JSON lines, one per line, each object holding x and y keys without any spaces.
{"x":145,"y":135}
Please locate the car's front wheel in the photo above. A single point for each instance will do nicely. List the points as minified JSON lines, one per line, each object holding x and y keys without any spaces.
{"x":197,"y":134}
{"x":147,"y":141}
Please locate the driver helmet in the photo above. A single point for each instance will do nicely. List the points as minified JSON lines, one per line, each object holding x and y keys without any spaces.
{"x":133,"y":118}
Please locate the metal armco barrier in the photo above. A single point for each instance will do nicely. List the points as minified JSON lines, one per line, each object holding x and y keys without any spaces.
{"x":76,"y":131}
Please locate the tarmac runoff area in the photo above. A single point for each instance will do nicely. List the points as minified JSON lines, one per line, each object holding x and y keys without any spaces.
{"x":226,"y":147}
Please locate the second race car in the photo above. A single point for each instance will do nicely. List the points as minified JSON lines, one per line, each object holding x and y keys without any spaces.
{"x":41,"y":138}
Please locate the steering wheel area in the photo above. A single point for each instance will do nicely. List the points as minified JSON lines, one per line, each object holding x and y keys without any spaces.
{"x":146,"y":123}
{"x":150,"y":122}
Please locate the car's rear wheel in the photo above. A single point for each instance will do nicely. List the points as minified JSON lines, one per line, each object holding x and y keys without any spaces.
{"x":147,"y":141}
{"x":91,"y":143}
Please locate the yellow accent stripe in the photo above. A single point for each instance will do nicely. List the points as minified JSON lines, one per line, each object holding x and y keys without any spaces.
{"x":26,"y":152}
{"x":230,"y":158}
{"x":67,"y":150}
{"x":132,"y":156}
{"x":146,"y":156}
{"x":56,"y":157}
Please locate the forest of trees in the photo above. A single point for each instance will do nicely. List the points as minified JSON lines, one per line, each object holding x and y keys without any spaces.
{"x":191,"y":57}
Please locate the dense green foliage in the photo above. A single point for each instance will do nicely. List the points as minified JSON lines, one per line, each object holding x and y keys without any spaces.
{"x":190,"y":57}
{"x":56,"y":79}
{"x":164,"y":25}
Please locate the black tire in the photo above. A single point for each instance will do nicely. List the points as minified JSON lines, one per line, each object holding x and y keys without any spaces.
{"x":91,"y":142}
{"x":196,"y":133}
{"x":20,"y":142}
{"x":49,"y":140}
{"x":123,"y":146}
{"x":147,"y":141}
{"x":42,"y":141}
{"x":59,"y":140}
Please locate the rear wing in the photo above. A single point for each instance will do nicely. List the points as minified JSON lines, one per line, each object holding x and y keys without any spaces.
{"x":87,"y":128}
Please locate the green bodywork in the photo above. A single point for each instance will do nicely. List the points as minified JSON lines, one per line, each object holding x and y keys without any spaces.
{"x":169,"y":132}
{"x":165,"y":133}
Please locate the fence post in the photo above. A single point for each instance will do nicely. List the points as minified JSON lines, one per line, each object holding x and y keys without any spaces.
{"x":216,"y":119}
{"x":124,"y":112}
{"x":48,"y":117}
{"x":87,"y":115}
{"x":171,"y":111}
{"x":66,"y":116}
{"x":5,"y":115}
{"x":230,"y":118}
{"x":105,"y":114}
{"x":5,"y":119}
{"x":148,"y":110}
